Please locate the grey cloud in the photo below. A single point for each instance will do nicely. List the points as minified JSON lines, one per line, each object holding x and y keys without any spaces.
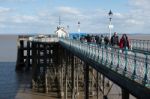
{"x":4,"y":10}
{"x":142,"y":4}
{"x":68,"y":10}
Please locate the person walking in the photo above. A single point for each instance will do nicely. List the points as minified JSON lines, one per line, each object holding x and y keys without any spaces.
{"x":96,"y":38}
{"x":106,"y":40}
{"x":115,"y":40}
{"x":88,"y":38}
{"x":101,"y":41}
{"x":124,"y":42}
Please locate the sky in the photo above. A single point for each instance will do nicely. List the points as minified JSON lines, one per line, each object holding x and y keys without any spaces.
{"x":41,"y":16}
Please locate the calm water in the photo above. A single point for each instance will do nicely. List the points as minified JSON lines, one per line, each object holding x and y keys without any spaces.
{"x":9,"y":80}
{"x":12,"y":82}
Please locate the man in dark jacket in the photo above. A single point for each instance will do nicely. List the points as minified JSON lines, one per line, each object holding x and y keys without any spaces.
{"x":115,"y":40}
{"x":106,"y":40}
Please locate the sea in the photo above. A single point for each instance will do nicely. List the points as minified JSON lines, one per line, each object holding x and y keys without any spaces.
{"x":8,"y":77}
{"x":10,"y":80}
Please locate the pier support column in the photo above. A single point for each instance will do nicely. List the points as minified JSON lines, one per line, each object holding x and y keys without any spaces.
{"x":59,"y":62}
{"x":103,"y":84}
{"x":73,"y":77}
{"x":92,"y":83}
{"x":34,"y":65}
{"x":77,"y":78}
{"x":86,"y":81}
{"x":28,"y":57}
{"x":66,"y":78}
{"x":45,"y":68}
{"x":61,"y":81}
{"x":97,"y":84}
{"x":125,"y":94}
{"x":20,"y":55}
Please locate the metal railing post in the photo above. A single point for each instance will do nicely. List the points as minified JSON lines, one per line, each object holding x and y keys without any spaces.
{"x":118,"y":61}
{"x":145,"y":79}
{"x":134,"y":71}
{"x":98,"y":55}
{"x":144,"y":45}
{"x":126,"y":62}
{"x":106,"y":56}
{"x":136,"y":44}
{"x":112,"y":58}
{"x":147,"y":45}
{"x":102,"y":55}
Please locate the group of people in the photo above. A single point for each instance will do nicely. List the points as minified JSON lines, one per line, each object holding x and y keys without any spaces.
{"x":123,"y":43}
{"x":114,"y":41}
{"x":100,"y":40}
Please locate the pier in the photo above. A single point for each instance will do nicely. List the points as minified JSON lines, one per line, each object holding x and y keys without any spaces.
{"x":70,"y":69}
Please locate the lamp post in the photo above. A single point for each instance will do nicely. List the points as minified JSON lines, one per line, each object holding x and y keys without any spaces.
{"x":79,"y":28}
{"x":110,"y":24}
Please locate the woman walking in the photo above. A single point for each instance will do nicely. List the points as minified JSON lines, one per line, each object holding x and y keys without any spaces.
{"x":124,"y":42}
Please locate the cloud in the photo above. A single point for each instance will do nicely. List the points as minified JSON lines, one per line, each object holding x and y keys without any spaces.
{"x":142,"y":4}
{"x":5,"y":10}
{"x":4,"y":14}
{"x":25,"y":19}
{"x":118,"y":15}
{"x":2,"y":26}
{"x":14,"y":0}
{"x":68,"y":10}
{"x":134,"y":22}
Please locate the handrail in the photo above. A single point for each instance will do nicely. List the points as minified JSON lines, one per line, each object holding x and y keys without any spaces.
{"x":143,"y":45}
{"x":135,"y":66}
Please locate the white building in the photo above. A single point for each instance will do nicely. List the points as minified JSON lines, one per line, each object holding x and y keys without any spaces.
{"x":60,"y":32}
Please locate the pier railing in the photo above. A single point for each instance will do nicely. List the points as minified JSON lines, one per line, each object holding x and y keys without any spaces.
{"x":141,"y":44}
{"x":46,"y":39}
{"x":133,"y":65}
{"x":136,"y":44}
{"x":39,"y":38}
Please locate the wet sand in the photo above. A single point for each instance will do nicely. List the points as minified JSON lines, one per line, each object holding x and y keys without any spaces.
{"x":26,"y":93}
